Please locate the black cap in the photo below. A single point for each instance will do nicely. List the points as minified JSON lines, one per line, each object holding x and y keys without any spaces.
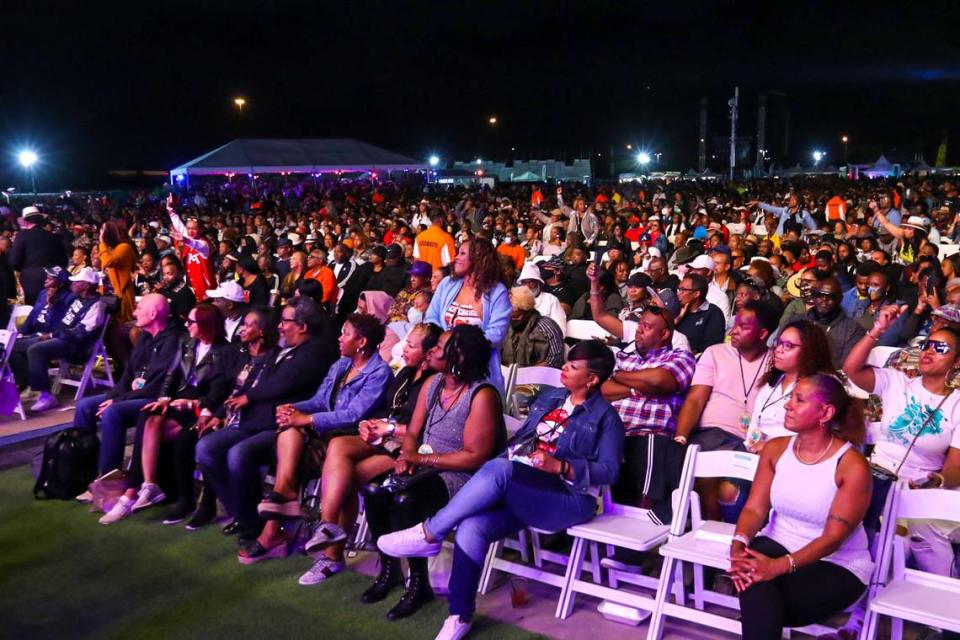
{"x":379,"y":251}
{"x":639,"y":279}
{"x":394,"y":252}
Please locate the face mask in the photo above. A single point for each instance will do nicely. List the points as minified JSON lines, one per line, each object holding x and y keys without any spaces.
{"x":873,"y":291}
{"x":414,"y":315}
{"x":508,"y":240}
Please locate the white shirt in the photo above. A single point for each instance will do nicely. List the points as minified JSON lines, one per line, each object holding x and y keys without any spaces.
{"x":769,"y":410}
{"x":716,"y":296}
{"x":906,"y":405}
{"x":548,"y":306}
{"x":231,"y":326}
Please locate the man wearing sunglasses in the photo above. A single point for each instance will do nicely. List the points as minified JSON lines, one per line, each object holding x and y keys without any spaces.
{"x":843,"y":332}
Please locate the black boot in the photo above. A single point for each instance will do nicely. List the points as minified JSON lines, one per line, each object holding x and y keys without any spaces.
{"x":418,"y":591}
{"x":206,"y":510}
{"x":390,"y":576}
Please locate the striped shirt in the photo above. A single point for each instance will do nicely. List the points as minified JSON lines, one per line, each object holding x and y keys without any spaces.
{"x":655,"y":414}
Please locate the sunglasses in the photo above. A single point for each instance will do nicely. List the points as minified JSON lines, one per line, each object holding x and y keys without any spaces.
{"x":939,"y":346}
{"x":830,"y":295}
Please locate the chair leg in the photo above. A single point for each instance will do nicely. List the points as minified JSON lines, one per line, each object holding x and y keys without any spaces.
{"x":523,"y":536}
{"x":486,"y":577}
{"x":697,"y":586}
{"x":870,"y":623}
{"x":84,"y":381}
{"x":595,"y":563}
{"x":663,"y":587}
{"x":896,"y":629}
{"x":574,"y":566}
{"x":679,"y":592}
{"x":61,"y":374}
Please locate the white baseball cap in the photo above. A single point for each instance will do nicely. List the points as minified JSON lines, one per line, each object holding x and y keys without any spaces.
{"x":702,"y":262}
{"x":87,"y":274}
{"x":229,"y":290}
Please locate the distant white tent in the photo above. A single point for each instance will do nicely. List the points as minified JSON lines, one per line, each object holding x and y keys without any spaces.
{"x":526,"y":176}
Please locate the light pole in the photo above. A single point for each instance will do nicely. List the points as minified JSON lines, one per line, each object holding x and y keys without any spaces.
{"x":643,"y":159}
{"x":844,"y":140}
{"x":27,"y":159}
{"x":492,"y":120}
{"x":817,"y":157}
{"x":240,"y":103}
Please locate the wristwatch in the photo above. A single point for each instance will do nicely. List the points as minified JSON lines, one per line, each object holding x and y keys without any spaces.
{"x":391,"y":427}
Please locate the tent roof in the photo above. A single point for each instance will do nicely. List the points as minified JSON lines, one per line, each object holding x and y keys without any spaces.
{"x":526,"y":176}
{"x":299,"y":155}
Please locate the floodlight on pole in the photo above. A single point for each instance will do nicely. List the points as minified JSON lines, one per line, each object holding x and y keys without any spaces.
{"x":240,"y":103}
{"x":818,"y":156}
{"x":434,"y":161}
{"x":643,"y":158}
{"x":28,"y":158}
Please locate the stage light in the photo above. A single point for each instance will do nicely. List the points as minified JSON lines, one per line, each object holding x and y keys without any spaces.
{"x":643,"y":158}
{"x":27,"y":158}
{"x":818,"y":156}
{"x":434,"y":161}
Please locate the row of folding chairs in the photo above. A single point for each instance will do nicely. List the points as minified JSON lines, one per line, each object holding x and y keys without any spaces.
{"x":705,"y":544}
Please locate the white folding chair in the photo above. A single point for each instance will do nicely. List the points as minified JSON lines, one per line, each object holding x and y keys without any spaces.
{"x":19,"y":311}
{"x":707,"y":544}
{"x":625,"y":527}
{"x":879,"y":355}
{"x":586,"y":330}
{"x":913,"y":595}
{"x":99,"y":351}
{"x":531,"y":375}
{"x":506,"y":370}
{"x":8,"y":339}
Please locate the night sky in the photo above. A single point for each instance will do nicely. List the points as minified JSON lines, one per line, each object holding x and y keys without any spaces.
{"x":148,"y":85}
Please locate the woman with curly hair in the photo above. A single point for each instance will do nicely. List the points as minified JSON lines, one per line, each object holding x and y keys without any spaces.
{"x":474,"y":295}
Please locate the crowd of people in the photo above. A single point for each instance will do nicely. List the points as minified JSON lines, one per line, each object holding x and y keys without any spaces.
{"x":357,"y":331}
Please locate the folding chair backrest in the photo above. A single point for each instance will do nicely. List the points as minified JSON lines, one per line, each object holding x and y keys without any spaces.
{"x":513,"y":424}
{"x":878,"y":356}
{"x":683,"y":489}
{"x":536,"y":375}
{"x":506,"y":370}
{"x":585,"y":330}
{"x":7,"y":340}
{"x":726,"y":464}
{"x":915,"y":504}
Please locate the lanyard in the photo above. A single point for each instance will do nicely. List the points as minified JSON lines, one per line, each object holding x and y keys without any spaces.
{"x":743,"y":379}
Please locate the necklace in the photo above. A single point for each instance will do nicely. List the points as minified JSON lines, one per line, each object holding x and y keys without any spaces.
{"x":796,"y":451}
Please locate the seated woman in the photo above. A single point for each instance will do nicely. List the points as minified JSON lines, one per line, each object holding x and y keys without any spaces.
{"x":918,"y":439}
{"x":353,"y":389}
{"x":811,"y":559}
{"x":569,"y":447}
{"x":353,"y":460}
{"x":200,"y":381}
{"x":456,"y":427}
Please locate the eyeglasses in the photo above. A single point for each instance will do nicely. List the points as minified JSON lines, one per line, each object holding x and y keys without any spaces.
{"x":830,"y":295}
{"x":786,"y":345}
{"x":190,"y":321}
{"x":685,"y":289}
{"x":939,"y":346}
{"x":282,"y":320}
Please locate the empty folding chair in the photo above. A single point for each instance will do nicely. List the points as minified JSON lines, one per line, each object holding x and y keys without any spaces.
{"x":910,"y":594}
{"x":7,"y":341}
{"x":530,"y":376}
{"x":586,"y":330}
{"x":625,"y":527}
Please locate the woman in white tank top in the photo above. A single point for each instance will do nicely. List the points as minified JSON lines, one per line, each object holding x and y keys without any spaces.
{"x":812,"y":490}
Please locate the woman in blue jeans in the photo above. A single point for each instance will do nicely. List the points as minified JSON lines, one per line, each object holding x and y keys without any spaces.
{"x":549,"y":478}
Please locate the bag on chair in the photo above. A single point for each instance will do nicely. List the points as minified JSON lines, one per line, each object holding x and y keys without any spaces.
{"x":68,"y":464}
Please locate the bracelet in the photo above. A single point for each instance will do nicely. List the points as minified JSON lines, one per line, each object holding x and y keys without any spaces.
{"x":741,"y":537}
{"x":793,"y":563}
{"x":871,"y":336}
{"x":595,"y":293}
{"x":938,"y":476}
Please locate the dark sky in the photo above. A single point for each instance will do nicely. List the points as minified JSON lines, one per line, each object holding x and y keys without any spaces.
{"x":148,"y":85}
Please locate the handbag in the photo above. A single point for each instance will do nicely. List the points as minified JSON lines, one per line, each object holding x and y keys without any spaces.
{"x":398,"y":483}
{"x":107,"y":489}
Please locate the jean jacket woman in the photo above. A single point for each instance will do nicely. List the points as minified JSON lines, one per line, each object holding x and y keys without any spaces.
{"x":496,"y":318}
{"x":592,"y":440}
{"x":356,"y":400}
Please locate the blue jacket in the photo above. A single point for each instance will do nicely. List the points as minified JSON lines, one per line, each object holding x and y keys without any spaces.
{"x":496,"y":318}
{"x":783,"y":214}
{"x":43,"y":320}
{"x":592,"y":439}
{"x":357,"y":400}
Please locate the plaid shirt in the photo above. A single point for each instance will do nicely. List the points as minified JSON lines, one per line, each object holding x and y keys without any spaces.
{"x":655,"y":414}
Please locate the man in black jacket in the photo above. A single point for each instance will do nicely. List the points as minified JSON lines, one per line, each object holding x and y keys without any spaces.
{"x":175,"y":289}
{"x":231,"y":457}
{"x":119,"y":408}
{"x":35,"y":249}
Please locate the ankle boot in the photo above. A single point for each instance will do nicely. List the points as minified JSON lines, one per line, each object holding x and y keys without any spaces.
{"x":418,"y":591}
{"x":389,"y":577}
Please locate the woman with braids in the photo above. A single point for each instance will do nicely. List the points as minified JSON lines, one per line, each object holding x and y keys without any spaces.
{"x":811,"y":559}
{"x":457,"y":425}
{"x":474,"y":295}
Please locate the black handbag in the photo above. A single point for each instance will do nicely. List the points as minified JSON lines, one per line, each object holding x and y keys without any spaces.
{"x":398,"y":483}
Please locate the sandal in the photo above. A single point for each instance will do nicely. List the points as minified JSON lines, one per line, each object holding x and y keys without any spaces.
{"x":255,"y":552}
{"x":278,"y":506}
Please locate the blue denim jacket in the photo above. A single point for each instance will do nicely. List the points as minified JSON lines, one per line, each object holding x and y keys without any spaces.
{"x":357,"y":400}
{"x":592,"y":439}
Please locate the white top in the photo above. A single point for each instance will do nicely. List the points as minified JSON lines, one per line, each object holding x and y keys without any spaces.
{"x":798,"y":517}
{"x":769,"y":410}
{"x":716,"y":296}
{"x":231,"y":326}
{"x":548,"y":305}
{"x":906,"y":405}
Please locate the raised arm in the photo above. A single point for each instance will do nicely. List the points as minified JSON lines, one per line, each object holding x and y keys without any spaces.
{"x":608,"y":322}
{"x":855,"y":366}
{"x":200,"y":246}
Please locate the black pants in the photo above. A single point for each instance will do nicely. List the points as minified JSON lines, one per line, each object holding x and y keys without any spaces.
{"x":387,"y":511}
{"x":809,"y":595}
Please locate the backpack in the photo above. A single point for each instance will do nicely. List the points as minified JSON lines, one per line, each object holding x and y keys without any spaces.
{"x":68,"y":464}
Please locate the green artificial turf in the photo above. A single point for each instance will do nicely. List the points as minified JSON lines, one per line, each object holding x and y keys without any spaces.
{"x":63,"y":575}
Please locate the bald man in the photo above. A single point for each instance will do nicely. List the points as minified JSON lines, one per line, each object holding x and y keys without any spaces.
{"x":119,"y":408}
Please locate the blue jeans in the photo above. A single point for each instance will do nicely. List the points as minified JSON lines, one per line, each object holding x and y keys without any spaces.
{"x":500,"y":499}
{"x":39,"y":356}
{"x":113,"y":425}
{"x":230,"y":460}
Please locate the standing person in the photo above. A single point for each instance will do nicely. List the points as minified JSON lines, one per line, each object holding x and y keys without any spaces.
{"x":811,"y":559}
{"x":118,"y":258}
{"x":196,"y":254}
{"x":583,"y":222}
{"x":434,"y":245}
{"x":474,"y":295}
{"x":35,"y":249}
{"x":569,"y":448}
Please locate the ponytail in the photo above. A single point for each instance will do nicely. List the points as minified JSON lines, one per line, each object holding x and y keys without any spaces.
{"x":848,"y":421}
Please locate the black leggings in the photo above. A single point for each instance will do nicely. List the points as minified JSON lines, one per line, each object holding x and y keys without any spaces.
{"x":387,"y":511}
{"x":797,"y":599}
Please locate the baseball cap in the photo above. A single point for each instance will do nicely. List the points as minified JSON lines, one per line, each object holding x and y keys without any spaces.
{"x":229,"y":290}
{"x":702,"y":261}
{"x":949,"y":312}
{"x":420,"y":268}
{"x":58,"y":273}
{"x":379,"y":251}
{"x":87,"y":274}
{"x":394,"y":251}
{"x":639,"y":279}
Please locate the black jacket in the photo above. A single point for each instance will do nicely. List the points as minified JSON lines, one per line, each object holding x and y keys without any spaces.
{"x":215,"y":373}
{"x":152,"y":359}
{"x":181,"y":298}
{"x":33,"y":251}
{"x":390,"y":280}
{"x":278,"y":379}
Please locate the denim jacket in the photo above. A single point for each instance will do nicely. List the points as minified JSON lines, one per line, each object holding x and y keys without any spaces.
{"x":496,"y":318}
{"x":592,"y":440}
{"x":357,"y":399}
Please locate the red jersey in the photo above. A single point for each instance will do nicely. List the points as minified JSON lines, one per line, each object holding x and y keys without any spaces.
{"x":200,"y":273}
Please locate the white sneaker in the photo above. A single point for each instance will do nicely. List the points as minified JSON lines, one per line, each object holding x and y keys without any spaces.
{"x":322,"y":569}
{"x":45,"y":402}
{"x":453,"y":629}
{"x":149,"y":495}
{"x":408,"y":543}
{"x":122,"y":509}
{"x":86,"y":497}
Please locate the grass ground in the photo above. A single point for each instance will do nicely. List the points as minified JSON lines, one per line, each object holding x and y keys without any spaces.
{"x":62,"y":575}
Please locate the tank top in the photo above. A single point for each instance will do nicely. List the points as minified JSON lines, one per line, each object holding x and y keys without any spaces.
{"x":797,"y":517}
{"x":443,"y":428}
